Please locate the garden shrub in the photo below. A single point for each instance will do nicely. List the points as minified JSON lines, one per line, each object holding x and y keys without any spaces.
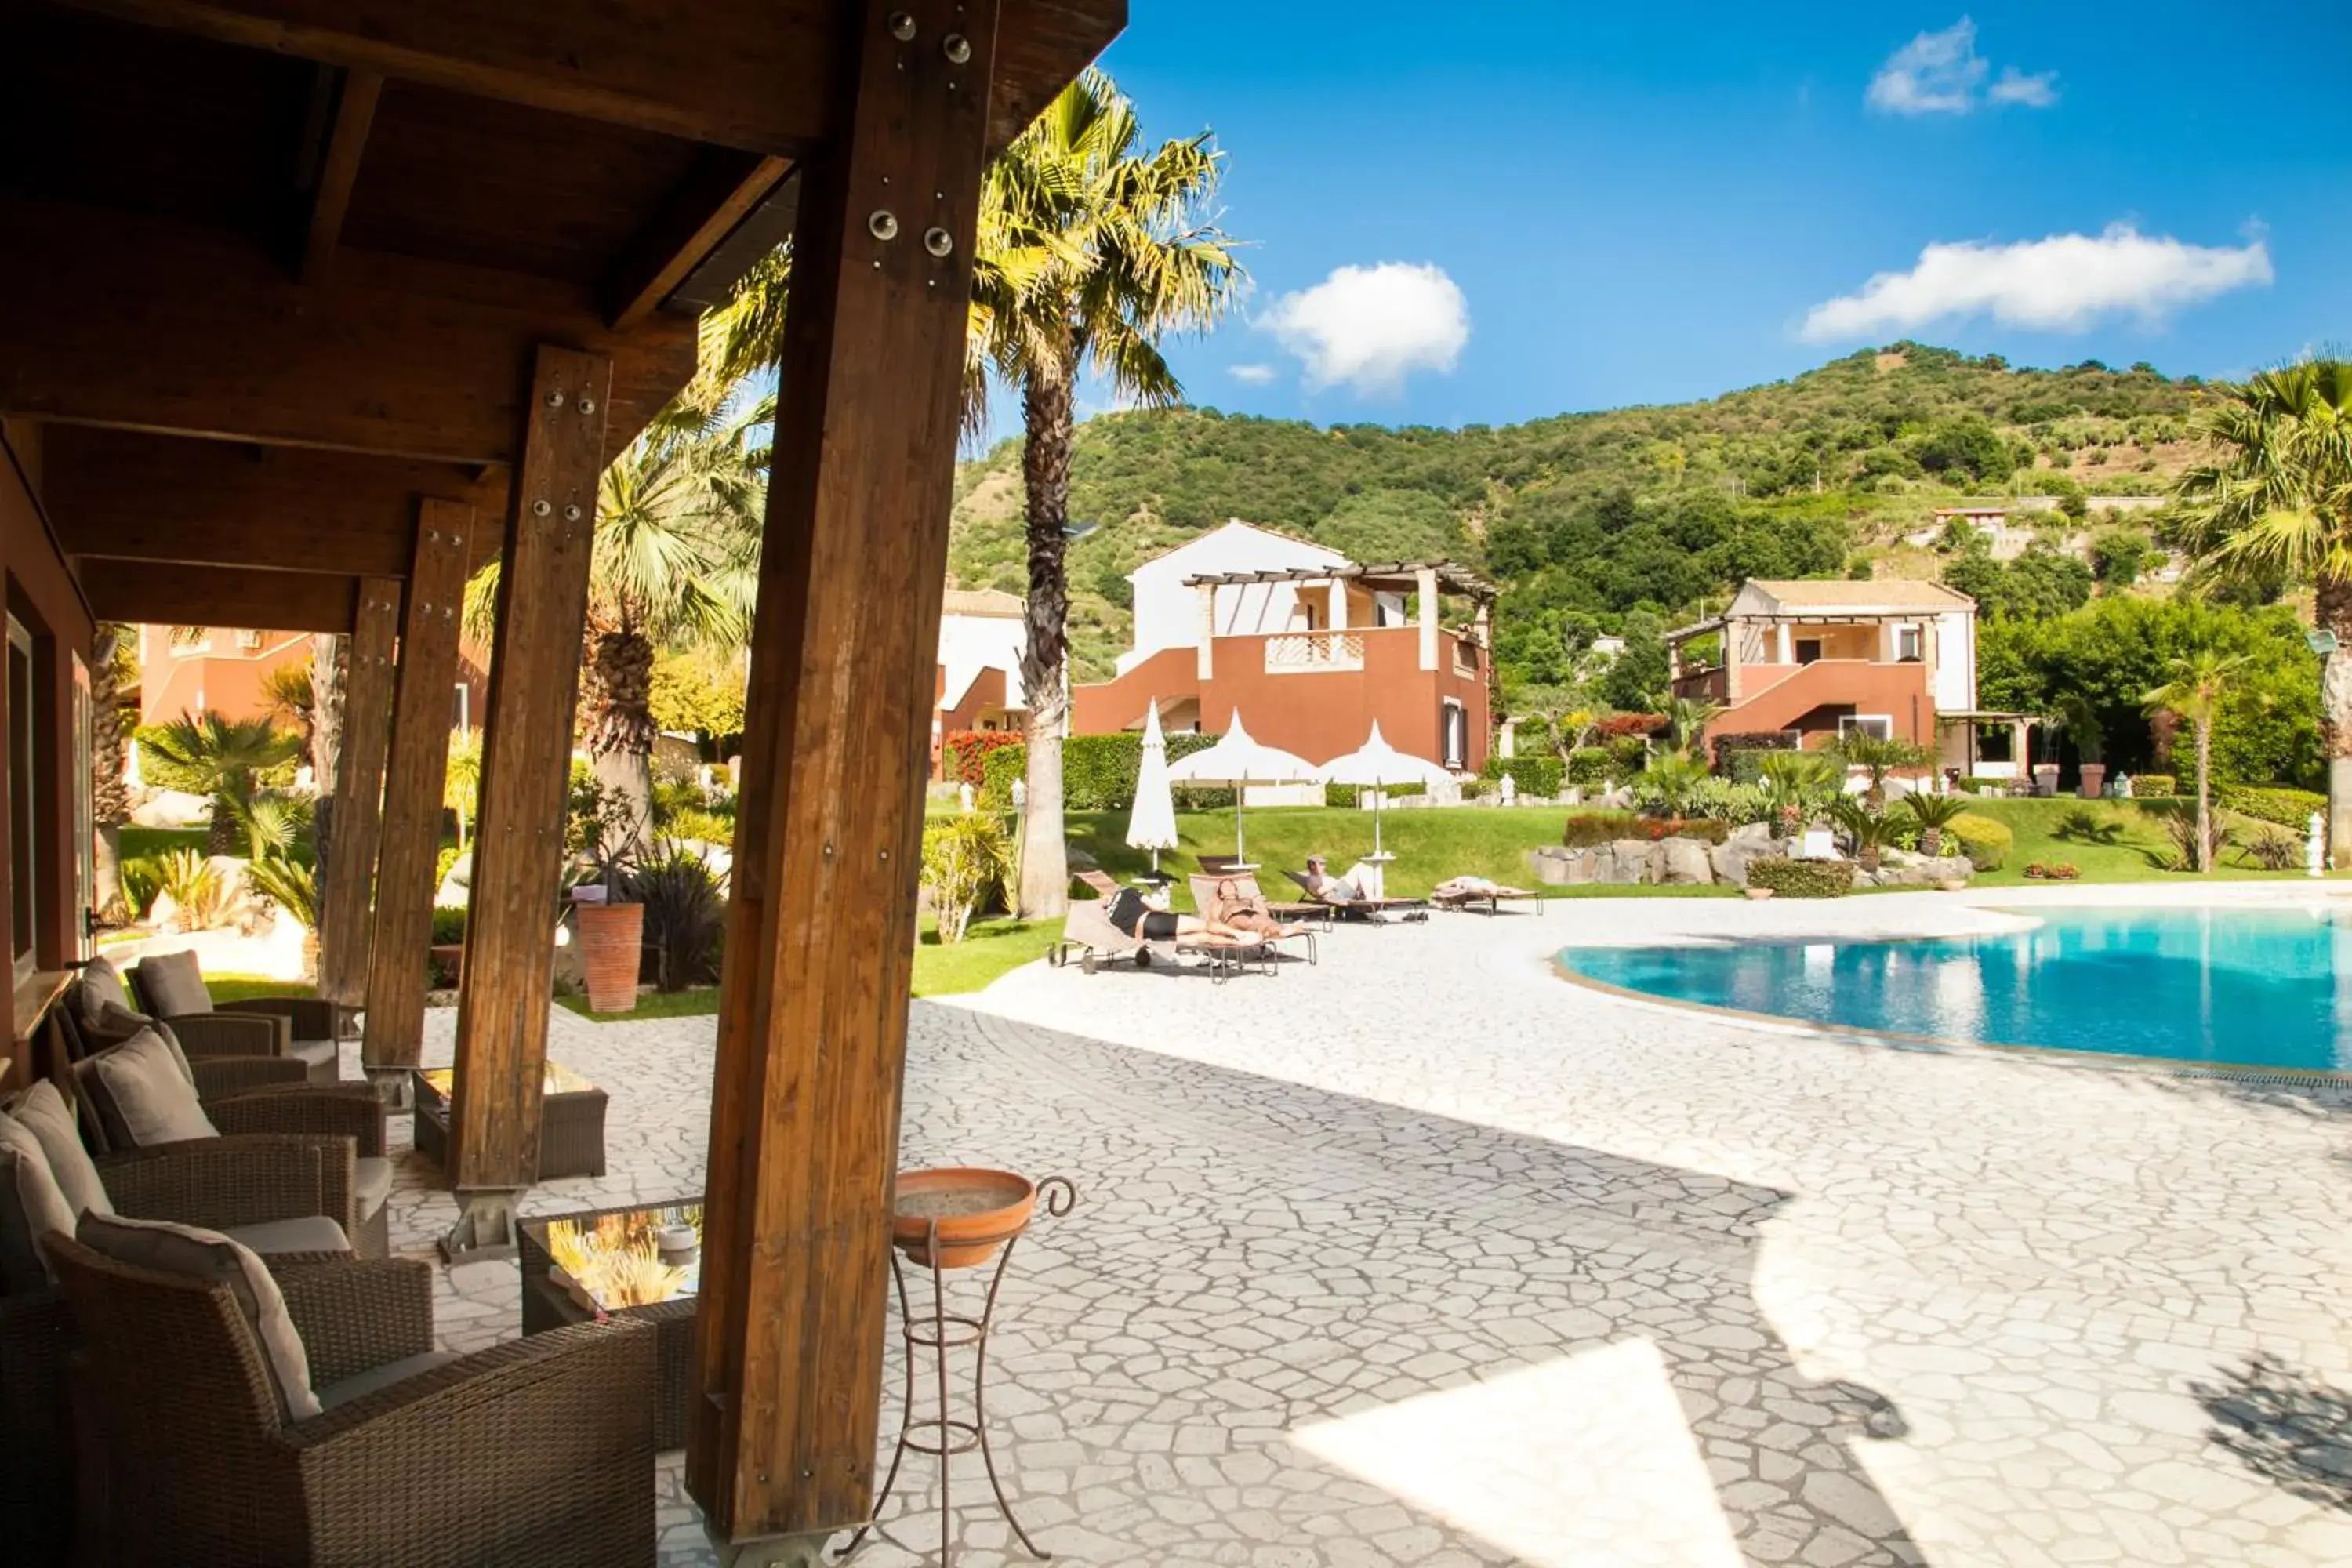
{"x":999,"y":768}
{"x":2154,"y":786}
{"x":1343,"y":797}
{"x":1740,"y":757}
{"x":1703,"y":828}
{"x":1628,"y":754}
{"x":2288,"y":807}
{"x":448,"y":925}
{"x":1619,"y":726}
{"x":1985,"y":842}
{"x":2273,"y":848}
{"x":1472,"y":788}
{"x":1801,"y":878}
{"x":672,"y":797}
{"x":1588,"y":767}
{"x":685,"y":914}
{"x":1586,"y":830}
{"x":704,"y":827}
{"x":444,"y":863}
{"x":141,"y":877}
{"x":966,"y":858}
{"x":1534,"y":775}
{"x":2053,"y":871}
{"x":1974,"y":785}
{"x":1098,"y":771}
{"x":964,"y":755}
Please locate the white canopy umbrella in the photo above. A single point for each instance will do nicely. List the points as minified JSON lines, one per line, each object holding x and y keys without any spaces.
{"x":1376,"y":764}
{"x":1152,"y":824}
{"x":1240,"y":762}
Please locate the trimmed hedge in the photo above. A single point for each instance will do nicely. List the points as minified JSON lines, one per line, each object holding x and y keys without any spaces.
{"x":1706,"y":829}
{"x":1590,"y":829}
{"x":2286,"y":807}
{"x":1801,"y":878}
{"x":1589,"y":767}
{"x":1740,"y":757}
{"x":1344,"y":797}
{"x":1628,"y":754}
{"x":1985,"y":842}
{"x":966,"y":753}
{"x":2153,"y":786}
{"x":1534,"y":775}
{"x":1099,"y":772}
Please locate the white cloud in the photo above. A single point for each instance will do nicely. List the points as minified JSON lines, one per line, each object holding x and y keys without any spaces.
{"x":1369,"y":327}
{"x":1254,"y":375}
{"x":2063,"y":283}
{"x":1941,"y":73}
{"x":2037,"y":90}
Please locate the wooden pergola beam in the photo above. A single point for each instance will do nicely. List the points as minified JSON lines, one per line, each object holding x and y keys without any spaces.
{"x":339,"y":170}
{"x":750,"y":74}
{"x":821,"y":926}
{"x":126,"y":495}
{"x":542,"y":610}
{"x":345,"y":932}
{"x":203,"y":335}
{"x":416,"y":767}
{"x":162,"y":595}
{"x":722,"y":191}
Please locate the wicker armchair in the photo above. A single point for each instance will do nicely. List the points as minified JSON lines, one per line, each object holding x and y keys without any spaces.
{"x":538,"y":1452}
{"x":303,"y":1027}
{"x":220,"y":1183}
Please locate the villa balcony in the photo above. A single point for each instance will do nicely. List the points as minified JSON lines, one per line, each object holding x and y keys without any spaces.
{"x":1313,"y":653}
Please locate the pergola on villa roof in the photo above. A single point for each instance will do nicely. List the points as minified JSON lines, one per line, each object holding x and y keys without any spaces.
{"x":307,"y":309}
{"x":1395,"y":577}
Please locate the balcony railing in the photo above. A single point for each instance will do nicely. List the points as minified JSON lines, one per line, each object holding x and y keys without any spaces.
{"x":1312,"y":653}
{"x":1465,"y":658}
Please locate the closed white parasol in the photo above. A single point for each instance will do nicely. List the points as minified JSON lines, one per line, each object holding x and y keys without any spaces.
{"x":1152,"y":824}
{"x":1376,"y":764}
{"x":1239,"y":761}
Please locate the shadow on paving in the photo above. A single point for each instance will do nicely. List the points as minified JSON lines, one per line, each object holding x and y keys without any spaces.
{"x":2285,"y":1426}
{"x":1332,"y":1276}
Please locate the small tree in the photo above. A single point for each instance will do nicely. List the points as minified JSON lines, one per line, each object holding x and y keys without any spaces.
{"x":2198,"y":682}
{"x":965,"y":859}
{"x":222,"y":758}
{"x":1934,"y":814}
{"x":1878,"y":756}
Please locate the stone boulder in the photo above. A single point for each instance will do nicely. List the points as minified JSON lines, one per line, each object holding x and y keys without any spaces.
{"x":1632,"y":861}
{"x":1684,"y":862}
{"x":1900,"y":870}
{"x":1730,"y":858}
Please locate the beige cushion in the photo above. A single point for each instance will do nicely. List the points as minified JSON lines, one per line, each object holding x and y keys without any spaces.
{"x":143,"y":1098}
{"x":214,"y":1258}
{"x":384,"y":1376}
{"x":43,"y":1110}
{"x":102,"y":987}
{"x":311,"y":1233}
{"x":30,"y":1208}
{"x":113,"y":1024}
{"x":172,"y":985}
{"x":371,"y":1183}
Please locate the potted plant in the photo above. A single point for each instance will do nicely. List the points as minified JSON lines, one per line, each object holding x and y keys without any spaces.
{"x":609,"y":917}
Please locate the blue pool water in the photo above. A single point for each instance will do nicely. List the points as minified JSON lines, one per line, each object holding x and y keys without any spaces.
{"x":2268,"y":987}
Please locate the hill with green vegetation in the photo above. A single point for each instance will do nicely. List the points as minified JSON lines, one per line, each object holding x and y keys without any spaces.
{"x":1587,"y":518}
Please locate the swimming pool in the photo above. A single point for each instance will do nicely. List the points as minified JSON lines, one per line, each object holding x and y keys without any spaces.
{"x":2242,"y":988}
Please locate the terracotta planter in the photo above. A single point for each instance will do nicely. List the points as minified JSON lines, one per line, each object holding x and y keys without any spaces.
{"x":976,"y":1211}
{"x":612,"y":949}
{"x":2094,"y":780}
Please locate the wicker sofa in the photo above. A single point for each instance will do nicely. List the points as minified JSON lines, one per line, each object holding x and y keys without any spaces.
{"x":539,"y":1451}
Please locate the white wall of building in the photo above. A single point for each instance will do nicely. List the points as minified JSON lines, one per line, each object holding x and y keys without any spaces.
{"x":1168,"y":609}
{"x":1955,"y":662}
{"x":969,"y":643}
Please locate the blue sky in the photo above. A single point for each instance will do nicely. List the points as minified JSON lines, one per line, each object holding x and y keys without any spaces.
{"x":1595,"y":205}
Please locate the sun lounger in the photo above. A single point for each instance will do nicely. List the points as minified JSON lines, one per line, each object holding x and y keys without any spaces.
{"x":1087,"y":934}
{"x":1205,"y":893}
{"x":1221,"y":868}
{"x":1492,"y":898}
{"x":1372,"y":909}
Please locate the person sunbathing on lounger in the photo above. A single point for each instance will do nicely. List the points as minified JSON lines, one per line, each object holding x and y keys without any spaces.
{"x":1131,"y":913}
{"x":1239,"y":912}
{"x":1331,"y":890}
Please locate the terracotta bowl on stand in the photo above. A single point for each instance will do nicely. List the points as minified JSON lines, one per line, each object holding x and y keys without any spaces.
{"x":975,"y":1211}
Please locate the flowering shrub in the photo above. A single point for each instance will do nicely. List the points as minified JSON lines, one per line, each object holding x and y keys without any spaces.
{"x":1618,"y":725}
{"x":967,"y":753}
{"x":2053,"y":871}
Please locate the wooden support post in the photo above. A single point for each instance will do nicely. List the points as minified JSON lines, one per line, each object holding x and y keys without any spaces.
{"x":1424,"y":587}
{"x":345,"y":933}
{"x":526,"y":768}
{"x":820,"y":931}
{"x":1204,"y":660}
{"x":394,"y":1040}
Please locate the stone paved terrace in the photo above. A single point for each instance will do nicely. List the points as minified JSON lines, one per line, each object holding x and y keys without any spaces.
{"x":1425,"y":1256}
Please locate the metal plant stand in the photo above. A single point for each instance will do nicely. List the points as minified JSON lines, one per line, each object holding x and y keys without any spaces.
{"x":939,"y":1332}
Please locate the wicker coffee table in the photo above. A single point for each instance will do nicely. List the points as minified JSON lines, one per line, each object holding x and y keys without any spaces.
{"x":552,"y":1298}
{"x":571,"y":1121}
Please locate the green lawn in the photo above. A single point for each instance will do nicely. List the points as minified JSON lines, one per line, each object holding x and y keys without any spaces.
{"x":227,"y":989}
{"x":2128,"y":847}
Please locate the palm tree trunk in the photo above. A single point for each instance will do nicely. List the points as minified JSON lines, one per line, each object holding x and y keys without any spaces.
{"x":327,"y":669}
{"x":618,"y":694}
{"x":2205,"y":796}
{"x":109,"y":797}
{"x":2335,"y":615}
{"x":1046,"y":398}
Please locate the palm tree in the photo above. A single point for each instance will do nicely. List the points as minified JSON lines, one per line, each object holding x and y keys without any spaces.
{"x":1797,"y":787}
{"x":1689,"y":717}
{"x":1877,"y":756}
{"x":1871,"y":832}
{"x":2277,"y":500}
{"x":221,"y":757}
{"x":2198,"y":682}
{"x":113,"y":665}
{"x":1934,"y":814}
{"x":676,"y":562}
{"x":1091,"y":251}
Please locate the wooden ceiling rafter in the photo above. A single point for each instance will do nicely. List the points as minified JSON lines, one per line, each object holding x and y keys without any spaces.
{"x":356,"y":96}
{"x":728,"y":187}
{"x":158,"y":593}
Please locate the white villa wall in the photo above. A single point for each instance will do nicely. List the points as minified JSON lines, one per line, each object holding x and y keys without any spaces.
{"x":1167,"y":610}
{"x":1955,"y":662}
{"x":969,"y":643}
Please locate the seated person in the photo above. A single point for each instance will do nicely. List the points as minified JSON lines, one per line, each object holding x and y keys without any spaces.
{"x":1133,"y":914}
{"x":1237,"y":910}
{"x":1329,"y":888}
